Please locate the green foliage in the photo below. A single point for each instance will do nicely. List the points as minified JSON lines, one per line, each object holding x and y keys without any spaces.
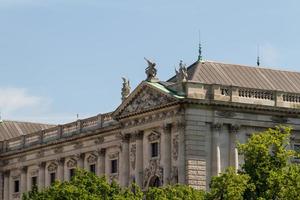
{"x":229,"y":185}
{"x":175,"y":192}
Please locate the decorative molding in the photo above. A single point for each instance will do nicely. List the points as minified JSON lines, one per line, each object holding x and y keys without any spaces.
{"x":101,"y":152}
{"x":217,"y":126}
{"x":24,"y":169}
{"x":91,"y":159}
{"x":279,"y":119}
{"x":40,"y":153}
{"x":34,"y":172}
{"x":153,"y":136}
{"x":42,"y":164}
{"x":58,"y":150}
{"x":22,"y":158}
{"x":16,"y":177}
{"x":147,"y":98}
{"x":225,"y":114}
{"x":175,"y":147}
{"x":154,"y":169}
{"x":52,"y":167}
{"x":77,"y":145}
{"x":99,"y":140}
{"x":114,"y":155}
{"x":133,"y":156}
{"x":71,"y":163}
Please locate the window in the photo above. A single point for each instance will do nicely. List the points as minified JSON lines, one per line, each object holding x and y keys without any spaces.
{"x":17,"y":186}
{"x":114,"y":166}
{"x":93,"y":168}
{"x":154,"y":149}
{"x":52,"y":177}
{"x":72,"y":173}
{"x":33,"y":182}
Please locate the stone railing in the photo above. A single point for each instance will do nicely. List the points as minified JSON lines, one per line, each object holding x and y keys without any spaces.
{"x":57,"y":132}
{"x":245,"y":95}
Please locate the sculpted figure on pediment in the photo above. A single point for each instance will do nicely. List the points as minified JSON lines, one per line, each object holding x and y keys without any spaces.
{"x":146,"y":99}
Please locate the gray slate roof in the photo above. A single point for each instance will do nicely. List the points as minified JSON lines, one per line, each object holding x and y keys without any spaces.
{"x":244,"y":76}
{"x":12,"y":129}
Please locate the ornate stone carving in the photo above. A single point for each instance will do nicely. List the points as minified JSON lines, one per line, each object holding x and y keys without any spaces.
{"x":133,"y":155}
{"x":181,"y":74}
{"x":101,"y":151}
{"x":234,"y":128}
{"x":114,"y":176}
{"x":154,"y":169}
{"x":71,"y":163}
{"x":147,"y":98}
{"x":225,"y":114}
{"x":24,"y":169}
{"x":91,"y":159}
{"x":34,"y":172}
{"x":125,"y":89}
{"x":153,"y":136}
{"x":151,"y":71}
{"x":175,"y":147}
{"x":99,"y":140}
{"x":113,"y":155}
{"x":78,"y":145}
{"x":58,"y":150}
{"x":52,"y":167}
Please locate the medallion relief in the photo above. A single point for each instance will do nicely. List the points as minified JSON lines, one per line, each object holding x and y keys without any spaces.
{"x":71,"y":163}
{"x":91,"y":159}
{"x":52,"y":167}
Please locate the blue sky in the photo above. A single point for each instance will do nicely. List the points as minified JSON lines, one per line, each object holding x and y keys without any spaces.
{"x":63,"y":57}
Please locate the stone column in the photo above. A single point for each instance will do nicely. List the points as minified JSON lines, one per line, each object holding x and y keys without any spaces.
{"x":41,"y":176}
{"x":80,"y":160}
{"x":101,"y":162}
{"x":216,"y":154}
{"x":124,"y":161}
{"x":234,"y":156}
{"x":180,"y":128}
{"x":6,"y":188}
{"x":166,"y":146}
{"x":23,"y":182}
{"x":139,"y":159}
{"x":60,"y":169}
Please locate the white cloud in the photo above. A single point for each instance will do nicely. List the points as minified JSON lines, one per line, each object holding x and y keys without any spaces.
{"x":13,"y":99}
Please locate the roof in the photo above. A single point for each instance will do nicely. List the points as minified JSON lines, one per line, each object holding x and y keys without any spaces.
{"x":12,"y":129}
{"x":243,"y":76}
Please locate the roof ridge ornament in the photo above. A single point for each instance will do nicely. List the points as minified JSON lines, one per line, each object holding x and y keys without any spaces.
{"x":151,"y":71}
{"x":200,"y":58}
{"x":126,"y":88}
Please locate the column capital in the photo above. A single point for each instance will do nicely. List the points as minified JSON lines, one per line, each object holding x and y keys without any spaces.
{"x":234,"y":128}
{"x":139,"y":135}
{"x":167,"y":127}
{"x":24,"y":169}
{"x":101,"y":152}
{"x":217,"y":126}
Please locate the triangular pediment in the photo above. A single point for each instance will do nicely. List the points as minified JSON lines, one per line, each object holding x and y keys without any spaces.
{"x":146,"y":97}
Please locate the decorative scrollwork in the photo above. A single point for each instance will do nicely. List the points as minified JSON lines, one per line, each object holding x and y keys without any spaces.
{"x":153,"y":136}
{"x":52,"y":167}
{"x":175,"y":147}
{"x":133,"y":156}
{"x":154,"y":169}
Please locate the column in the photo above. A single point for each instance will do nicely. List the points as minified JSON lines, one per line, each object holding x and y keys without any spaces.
{"x":23,"y":183}
{"x":101,"y":162}
{"x":41,"y":176}
{"x":139,"y":159}
{"x":166,"y":147}
{"x":180,"y":128}
{"x":234,"y":156}
{"x":124,"y":161}
{"x":60,"y":169}
{"x":6,"y":188}
{"x":80,"y":160}
{"x":216,"y":154}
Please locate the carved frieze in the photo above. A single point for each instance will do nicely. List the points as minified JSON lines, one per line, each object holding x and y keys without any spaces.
{"x":58,"y":150}
{"x":279,"y":119}
{"x":147,"y":98}
{"x":175,"y":144}
{"x":40,"y":153}
{"x":154,"y":169}
{"x":133,"y":155}
{"x":52,"y":167}
{"x":78,"y":145}
{"x":225,"y":114}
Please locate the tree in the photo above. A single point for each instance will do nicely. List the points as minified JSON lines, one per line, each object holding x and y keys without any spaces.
{"x":267,"y":172}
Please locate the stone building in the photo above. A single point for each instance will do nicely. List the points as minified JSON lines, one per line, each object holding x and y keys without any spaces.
{"x":183,"y":130}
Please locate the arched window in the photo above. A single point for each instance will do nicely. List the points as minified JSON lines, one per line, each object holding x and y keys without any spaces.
{"x":154,"y":182}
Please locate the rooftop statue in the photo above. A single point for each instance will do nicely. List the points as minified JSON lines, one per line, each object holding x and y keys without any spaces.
{"x":151,"y":71}
{"x":125,"y":89}
{"x":181,"y":73}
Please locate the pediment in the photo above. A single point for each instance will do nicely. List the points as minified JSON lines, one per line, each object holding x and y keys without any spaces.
{"x":145,"y":98}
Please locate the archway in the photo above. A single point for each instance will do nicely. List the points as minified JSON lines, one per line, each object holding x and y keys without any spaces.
{"x":154,"y":182}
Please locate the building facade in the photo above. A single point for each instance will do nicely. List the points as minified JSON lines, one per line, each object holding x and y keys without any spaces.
{"x":183,"y":130}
